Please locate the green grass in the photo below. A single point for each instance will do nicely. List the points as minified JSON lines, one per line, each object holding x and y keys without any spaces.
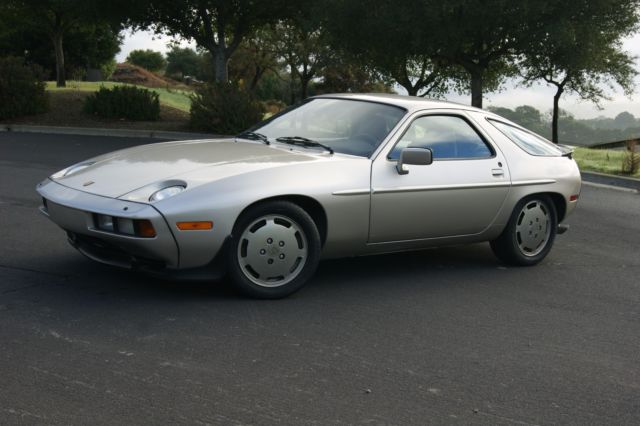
{"x":600,"y":160}
{"x":178,"y":99}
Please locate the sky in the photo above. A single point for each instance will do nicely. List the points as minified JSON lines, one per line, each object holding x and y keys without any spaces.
{"x":539,"y":96}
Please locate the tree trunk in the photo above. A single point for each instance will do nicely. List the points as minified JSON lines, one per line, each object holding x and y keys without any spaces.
{"x":411,"y":90}
{"x":476,"y":88}
{"x":304,"y":87}
{"x":256,"y":78}
{"x":556,"y":113}
{"x":61,"y":80}
{"x":221,"y":65}
{"x":292,"y":88}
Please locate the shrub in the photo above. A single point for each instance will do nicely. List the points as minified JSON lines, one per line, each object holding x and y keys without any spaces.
{"x":107,"y":69}
{"x":128,"y":102}
{"x":631,"y":159}
{"x":223,"y":109}
{"x":22,"y":89}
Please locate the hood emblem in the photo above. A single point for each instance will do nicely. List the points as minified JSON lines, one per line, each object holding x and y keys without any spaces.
{"x":88,"y":183}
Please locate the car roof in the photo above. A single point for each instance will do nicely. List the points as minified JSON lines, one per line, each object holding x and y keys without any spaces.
{"x":410,"y":103}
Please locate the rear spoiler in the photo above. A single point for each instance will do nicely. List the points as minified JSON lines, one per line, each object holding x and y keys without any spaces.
{"x":567,"y":151}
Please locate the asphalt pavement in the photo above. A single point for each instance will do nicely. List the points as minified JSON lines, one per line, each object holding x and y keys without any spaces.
{"x":442,"y":336}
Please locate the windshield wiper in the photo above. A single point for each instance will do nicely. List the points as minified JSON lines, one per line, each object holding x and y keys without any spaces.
{"x":302,"y":141}
{"x":254,"y":136}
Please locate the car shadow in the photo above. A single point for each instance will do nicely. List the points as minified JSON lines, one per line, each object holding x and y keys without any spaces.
{"x":400,"y":271}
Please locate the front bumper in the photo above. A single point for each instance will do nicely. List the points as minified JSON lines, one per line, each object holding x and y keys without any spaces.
{"x":74,"y":212}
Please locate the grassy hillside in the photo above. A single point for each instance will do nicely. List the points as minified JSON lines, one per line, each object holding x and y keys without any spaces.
{"x":178,"y":99}
{"x":600,"y":160}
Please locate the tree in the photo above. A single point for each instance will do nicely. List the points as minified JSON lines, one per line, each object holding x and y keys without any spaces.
{"x":147,"y":59}
{"x":56,"y":19}
{"x":255,"y":57}
{"x":484,"y":38}
{"x":301,"y":45}
{"x":87,"y":46}
{"x":428,"y":46}
{"x":579,"y":50}
{"x":625,"y":120}
{"x":218,"y":26}
{"x":397,"y":50}
{"x":182,"y":61}
{"x":346,"y":74}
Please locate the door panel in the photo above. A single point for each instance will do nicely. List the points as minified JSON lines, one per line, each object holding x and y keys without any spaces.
{"x":450,"y":197}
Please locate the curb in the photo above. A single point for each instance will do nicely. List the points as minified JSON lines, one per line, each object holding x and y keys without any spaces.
{"x":93,"y":131}
{"x":614,"y":188}
{"x":611,"y":181}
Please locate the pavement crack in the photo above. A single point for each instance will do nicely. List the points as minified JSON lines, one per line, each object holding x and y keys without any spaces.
{"x":19,"y":202}
{"x":25,"y":287}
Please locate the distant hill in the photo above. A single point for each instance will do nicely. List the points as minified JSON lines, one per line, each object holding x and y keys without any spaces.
{"x":575,"y":131}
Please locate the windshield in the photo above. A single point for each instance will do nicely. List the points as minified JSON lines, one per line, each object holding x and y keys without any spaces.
{"x":344,"y":125}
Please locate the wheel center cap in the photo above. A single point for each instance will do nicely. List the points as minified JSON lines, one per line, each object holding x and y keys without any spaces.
{"x":273,"y":251}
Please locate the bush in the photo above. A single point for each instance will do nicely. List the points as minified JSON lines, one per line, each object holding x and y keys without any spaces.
{"x":22,"y":89}
{"x":128,"y":102}
{"x":631,"y":159}
{"x":223,"y":109}
{"x":107,"y":69}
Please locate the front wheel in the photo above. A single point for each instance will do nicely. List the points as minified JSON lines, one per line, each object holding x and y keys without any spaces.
{"x":530,"y":233}
{"x":275,"y":249}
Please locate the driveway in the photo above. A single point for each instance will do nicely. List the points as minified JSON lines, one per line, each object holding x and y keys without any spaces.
{"x":439,"y":336}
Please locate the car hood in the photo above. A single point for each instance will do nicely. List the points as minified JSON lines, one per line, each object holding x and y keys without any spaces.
{"x":125,"y":172}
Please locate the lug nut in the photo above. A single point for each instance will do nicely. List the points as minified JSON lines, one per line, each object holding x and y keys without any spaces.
{"x":281,"y":256}
{"x":270,"y":261}
{"x":281,"y":243}
{"x":269,"y":240}
{"x":263,"y":251}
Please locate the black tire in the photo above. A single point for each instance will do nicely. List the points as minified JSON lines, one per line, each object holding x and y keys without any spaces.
{"x":510,"y":248}
{"x":245,"y":239}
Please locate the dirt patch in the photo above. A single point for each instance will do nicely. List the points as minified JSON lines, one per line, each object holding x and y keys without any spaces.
{"x":66,"y":109}
{"x":132,"y":74}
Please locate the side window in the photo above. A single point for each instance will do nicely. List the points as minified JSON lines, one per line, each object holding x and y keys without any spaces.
{"x":530,"y":142}
{"x":448,"y":136}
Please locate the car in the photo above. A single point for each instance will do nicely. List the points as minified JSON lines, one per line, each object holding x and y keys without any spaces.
{"x":336,"y":176}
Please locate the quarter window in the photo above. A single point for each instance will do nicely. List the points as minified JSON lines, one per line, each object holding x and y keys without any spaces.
{"x":530,"y":142}
{"x":448,"y":137}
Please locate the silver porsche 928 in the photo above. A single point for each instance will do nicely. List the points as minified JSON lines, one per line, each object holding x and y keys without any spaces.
{"x":337,"y":176}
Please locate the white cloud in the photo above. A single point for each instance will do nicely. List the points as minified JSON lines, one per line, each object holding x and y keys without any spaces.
{"x":146,"y":40}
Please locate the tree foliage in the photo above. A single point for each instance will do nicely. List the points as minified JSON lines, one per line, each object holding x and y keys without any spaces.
{"x":578,"y":50}
{"x":182,"y":62}
{"x":87,"y":46}
{"x":224,"y":109}
{"x":147,"y":59}
{"x":55,"y":20}
{"x":384,"y":37}
{"x":218,"y":26}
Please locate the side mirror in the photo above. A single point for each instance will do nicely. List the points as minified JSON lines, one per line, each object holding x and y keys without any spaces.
{"x":415,"y":156}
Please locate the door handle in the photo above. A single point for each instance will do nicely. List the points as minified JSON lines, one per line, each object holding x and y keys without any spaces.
{"x":497,"y":172}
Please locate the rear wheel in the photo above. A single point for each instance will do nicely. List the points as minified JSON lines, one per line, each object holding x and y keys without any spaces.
{"x":275,"y":249}
{"x":530,"y":233}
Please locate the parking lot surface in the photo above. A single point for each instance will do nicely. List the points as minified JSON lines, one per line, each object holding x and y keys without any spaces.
{"x":446,"y":335}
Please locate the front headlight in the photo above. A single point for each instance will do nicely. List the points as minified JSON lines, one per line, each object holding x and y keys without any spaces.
{"x":166,"y":193}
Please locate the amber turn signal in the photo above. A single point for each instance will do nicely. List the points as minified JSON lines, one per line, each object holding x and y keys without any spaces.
{"x":194,"y":226}
{"x":144,"y":228}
